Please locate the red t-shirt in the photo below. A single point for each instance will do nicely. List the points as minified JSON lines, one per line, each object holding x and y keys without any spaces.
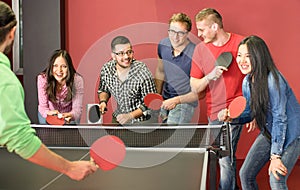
{"x":221,"y":92}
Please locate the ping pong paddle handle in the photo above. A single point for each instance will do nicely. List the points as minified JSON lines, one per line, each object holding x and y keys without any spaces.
{"x":103,"y":112}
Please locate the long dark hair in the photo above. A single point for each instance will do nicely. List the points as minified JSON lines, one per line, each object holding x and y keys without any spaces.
{"x":262,"y":65}
{"x":51,"y":81}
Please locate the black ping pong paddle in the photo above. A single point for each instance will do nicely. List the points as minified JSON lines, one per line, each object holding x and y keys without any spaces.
{"x":95,"y":114}
{"x":224,"y":59}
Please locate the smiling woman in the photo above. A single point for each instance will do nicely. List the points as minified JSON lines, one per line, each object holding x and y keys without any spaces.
{"x":60,"y":89}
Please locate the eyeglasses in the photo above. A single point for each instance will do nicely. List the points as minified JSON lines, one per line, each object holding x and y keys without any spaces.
{"x":179,"y":33}
{"x":122,"y":53}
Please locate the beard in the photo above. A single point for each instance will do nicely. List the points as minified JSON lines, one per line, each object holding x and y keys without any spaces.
{"x":8,"y":48}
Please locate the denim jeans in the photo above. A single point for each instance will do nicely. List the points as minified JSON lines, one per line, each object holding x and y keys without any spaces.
{"x":42,"y":120}
{"x":182,"y":113}
{"x":259,"y":155}
{"x":228,"y":164}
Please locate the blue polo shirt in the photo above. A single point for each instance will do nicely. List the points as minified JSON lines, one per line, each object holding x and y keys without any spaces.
{"x":176,"y":69}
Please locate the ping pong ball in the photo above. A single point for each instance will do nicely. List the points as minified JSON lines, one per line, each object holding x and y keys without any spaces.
{"x":59,"y":115}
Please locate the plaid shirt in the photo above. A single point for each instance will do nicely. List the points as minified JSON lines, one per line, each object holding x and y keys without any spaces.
{"x":129,"y":94}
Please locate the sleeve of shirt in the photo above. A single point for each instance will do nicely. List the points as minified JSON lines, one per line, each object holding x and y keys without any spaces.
{"x":102,"y":84}
{"x":78,"y":98}
{"x":245,"y":117}
{"x":196,"y":72}
{"x":43,"y":107}
{"x":278,"y":101}
{"x":148,"y":86}
{"x":159,"y":50}
{"x":16,"y":133}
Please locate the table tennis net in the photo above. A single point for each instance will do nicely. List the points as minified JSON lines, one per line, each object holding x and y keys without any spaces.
{"x":187,"y":136}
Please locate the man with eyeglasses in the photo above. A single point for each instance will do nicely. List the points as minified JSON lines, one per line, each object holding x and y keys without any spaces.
{"x":128,"y":81}
{"x":172,"y":75}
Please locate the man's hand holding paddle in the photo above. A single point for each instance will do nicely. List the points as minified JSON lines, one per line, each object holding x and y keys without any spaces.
{"x":103,"y":107}
{"x":222,"y":63}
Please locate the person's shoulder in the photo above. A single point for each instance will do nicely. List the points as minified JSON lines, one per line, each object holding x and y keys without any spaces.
{"x":78,"y":81}
{"x":191,"y":45}
{"x":138,"y":63}
{"x":272,"y":77}
{"x":272,"y":82}
{"x":237,"y":37}
{"x":42,"y":80}
{"x":109,"y":64}
{"x":140,"y":68}
{"x":42,"y":76}
{"x":8,"y":77}
{"x":203,"y":48}
{"x":189,"y":49}
{"x":165,"y":42}
{"x":78,"y":76}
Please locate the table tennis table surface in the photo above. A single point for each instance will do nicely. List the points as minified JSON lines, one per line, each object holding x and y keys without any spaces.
{"x":157,"y":157}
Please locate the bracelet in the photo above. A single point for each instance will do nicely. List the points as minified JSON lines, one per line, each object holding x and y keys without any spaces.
{"x":101,"y":101}
{"x":275,"y":157}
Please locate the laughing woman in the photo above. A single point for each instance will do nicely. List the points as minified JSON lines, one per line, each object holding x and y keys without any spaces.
{"x":60,"y":89}
{"x":276,"y":112}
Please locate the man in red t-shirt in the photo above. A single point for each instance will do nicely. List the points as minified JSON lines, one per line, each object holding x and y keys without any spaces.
{"x":221,"y":84}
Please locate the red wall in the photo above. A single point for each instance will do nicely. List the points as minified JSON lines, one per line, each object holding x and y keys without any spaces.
{"x":90,"y":26}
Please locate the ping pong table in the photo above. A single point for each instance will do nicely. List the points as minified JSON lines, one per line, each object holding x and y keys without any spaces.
{"x":157,"y":157}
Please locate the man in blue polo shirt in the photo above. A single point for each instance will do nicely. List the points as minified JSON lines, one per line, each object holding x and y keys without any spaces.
{"x":172,"y":75}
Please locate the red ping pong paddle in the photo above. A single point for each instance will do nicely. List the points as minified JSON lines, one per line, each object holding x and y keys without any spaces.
{"x":236,"y":107}
{"x":224,"y":59}
{"x":108,"y":152}
{"x":54,"y":120}
{"x":153,"y":101}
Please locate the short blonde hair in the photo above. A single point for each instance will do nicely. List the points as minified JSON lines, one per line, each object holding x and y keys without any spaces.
{"x":211,"y":15}
{"x":183,"y":18}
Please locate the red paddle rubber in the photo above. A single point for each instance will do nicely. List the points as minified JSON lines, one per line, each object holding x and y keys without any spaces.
{"x":237,"y":106}
{"x":153,"y":101}
{"x":108,"y":152}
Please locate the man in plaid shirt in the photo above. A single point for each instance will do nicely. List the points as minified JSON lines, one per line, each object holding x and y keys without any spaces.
{"x":128,"y":80}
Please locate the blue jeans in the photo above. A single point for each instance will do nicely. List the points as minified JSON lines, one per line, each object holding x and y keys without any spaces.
{"x":259,"y":155}
{"x":42,"y":120}
{"x":228,"y":164}
{"x":182,"y":113}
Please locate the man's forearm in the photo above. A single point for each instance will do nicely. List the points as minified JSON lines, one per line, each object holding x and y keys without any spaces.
{"x":159,"y":85}
{"x":103,"y":96}
{"x":46,"y":158}
{"x":198,"y":85}
{"x":188,"y":98}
